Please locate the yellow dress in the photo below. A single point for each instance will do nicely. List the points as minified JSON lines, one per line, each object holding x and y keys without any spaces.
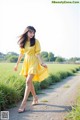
{"x":31,"y":64}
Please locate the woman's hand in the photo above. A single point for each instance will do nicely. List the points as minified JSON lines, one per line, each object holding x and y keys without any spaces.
{"x":18,"y":61}
{"x":44,"y":65}
{"x":16,"y":68}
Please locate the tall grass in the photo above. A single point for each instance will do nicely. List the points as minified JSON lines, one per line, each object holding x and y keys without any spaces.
{"x":75,"y":113}
{"x":12,"y":85}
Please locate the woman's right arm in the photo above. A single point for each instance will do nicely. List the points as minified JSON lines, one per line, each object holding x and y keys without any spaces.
{"x":18,"y":61}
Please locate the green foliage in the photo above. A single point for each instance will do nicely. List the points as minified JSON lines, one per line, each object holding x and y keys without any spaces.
{"x":75,"y":113}
{"x":44,"y":54}
{"x":2,"y":100}
{"x":8,"y":96}
{"x":51,"y":56}
{"x":12,"y":59}
{"x":2,"y":55}
{"x":44,"y":84}
{"x":36,"y":86}
{"x":47,"y":56}
{"x":59,"y":59}
{"x":9,"y":57}
{"x":74,"y":59}
{"x":63,"y":75}
{"x":45,"y":59}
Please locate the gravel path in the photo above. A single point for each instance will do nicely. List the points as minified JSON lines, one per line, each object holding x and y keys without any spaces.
{"x":54,"y":103}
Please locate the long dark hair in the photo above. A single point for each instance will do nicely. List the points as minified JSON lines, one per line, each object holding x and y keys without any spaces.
{"x":24,"y":37}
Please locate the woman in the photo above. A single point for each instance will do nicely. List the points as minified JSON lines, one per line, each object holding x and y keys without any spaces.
{"x":33,"y":67}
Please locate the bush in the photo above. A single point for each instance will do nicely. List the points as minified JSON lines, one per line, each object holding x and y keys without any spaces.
{"x":51,"y":79}
{"x":2,"y":100}
{"x":63,"y":75}
{"x":36,"y":86}
{"x":73,"y":70}
{"x":8,"y":96}
{"x":69,"y":73}
{"x":44,"y":84}
{"x":57,"y":77}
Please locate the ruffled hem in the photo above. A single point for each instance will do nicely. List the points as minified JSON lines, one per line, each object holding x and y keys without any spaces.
{"x":40,"y":76}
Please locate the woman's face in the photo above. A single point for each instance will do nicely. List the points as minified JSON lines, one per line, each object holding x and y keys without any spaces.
{"x":30,"y":34}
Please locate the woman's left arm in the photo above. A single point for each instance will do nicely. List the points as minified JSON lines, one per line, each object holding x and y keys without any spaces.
{"x":41,"y":61}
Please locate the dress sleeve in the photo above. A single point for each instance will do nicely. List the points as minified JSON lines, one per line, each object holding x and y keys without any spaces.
{"x":22,"y":50}
{"x":37,"y":47}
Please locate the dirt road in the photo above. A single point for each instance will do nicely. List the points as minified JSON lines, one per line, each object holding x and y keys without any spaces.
{"x":54,"y":103}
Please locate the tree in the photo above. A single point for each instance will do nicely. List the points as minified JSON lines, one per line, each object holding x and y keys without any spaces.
{"x":44,"y":56}
{"x":9,"y":55}
{"x":59,"y":59}
{"x":12,"y":59}
{"x":2,"y":57}
{"x":51,"y":56}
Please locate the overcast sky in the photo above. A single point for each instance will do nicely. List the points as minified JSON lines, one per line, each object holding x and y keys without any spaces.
{"x":57,"y":25}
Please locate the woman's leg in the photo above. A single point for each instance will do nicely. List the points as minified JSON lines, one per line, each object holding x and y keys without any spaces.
{"x":33,"y":90}
{"x":35,"y":98}
{"x":27,"y":91}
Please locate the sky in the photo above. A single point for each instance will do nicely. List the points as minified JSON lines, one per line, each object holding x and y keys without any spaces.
{"x":57,"y":25}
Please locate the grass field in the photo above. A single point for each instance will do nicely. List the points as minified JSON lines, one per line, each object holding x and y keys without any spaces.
{"x":12,"y":85}
{"x":6,"y":69}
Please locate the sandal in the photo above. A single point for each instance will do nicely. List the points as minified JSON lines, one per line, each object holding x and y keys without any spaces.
{"x":35,"y":100}
{"x":22,"y":109}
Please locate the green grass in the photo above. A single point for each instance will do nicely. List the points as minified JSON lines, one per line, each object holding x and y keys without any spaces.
{"x":12,"y":85}
{"x":75,"y":113}
{"x":62,"y":68}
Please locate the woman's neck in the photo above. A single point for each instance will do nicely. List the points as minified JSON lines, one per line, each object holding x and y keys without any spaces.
{"x":28,"y":39}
